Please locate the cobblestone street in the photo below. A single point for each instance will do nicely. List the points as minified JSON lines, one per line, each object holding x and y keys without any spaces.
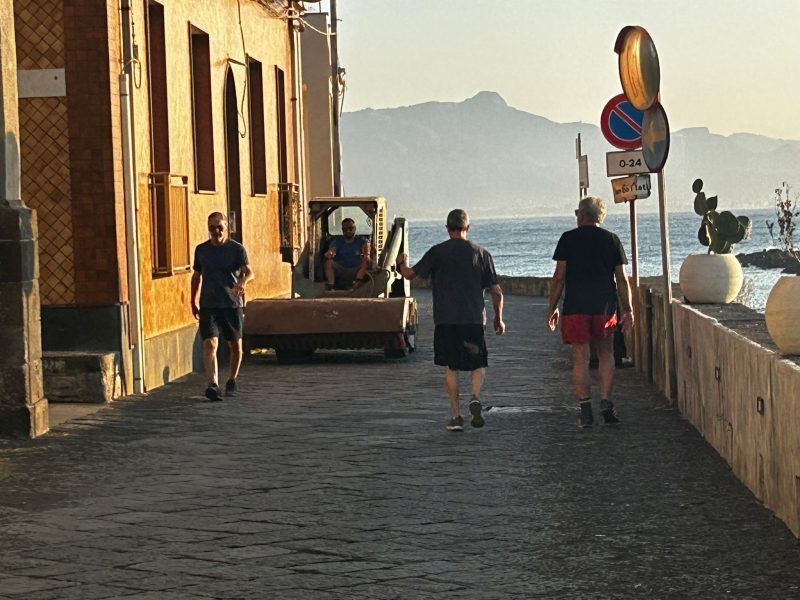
{"x":337,"y":479}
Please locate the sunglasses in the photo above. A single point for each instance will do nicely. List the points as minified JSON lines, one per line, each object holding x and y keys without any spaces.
{"x":216,"y":227}
{"x":577,"y":211}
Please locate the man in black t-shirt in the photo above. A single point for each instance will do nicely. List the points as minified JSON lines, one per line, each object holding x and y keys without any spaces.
{"x":221,"y":272}
{"x":590,"y":269}
{"x":460,"y":271}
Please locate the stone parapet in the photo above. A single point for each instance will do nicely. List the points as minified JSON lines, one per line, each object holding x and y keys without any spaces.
{"x":737,"y":390}
{"x":517,"y":286}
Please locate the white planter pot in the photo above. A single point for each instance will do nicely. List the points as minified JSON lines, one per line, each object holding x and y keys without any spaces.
{"x":783,"y":314}
{"x":711,"y":278}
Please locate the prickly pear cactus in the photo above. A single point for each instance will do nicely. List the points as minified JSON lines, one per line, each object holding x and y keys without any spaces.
{"x":719,"y":230}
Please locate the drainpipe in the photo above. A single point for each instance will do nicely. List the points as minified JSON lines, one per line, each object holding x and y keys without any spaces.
{"x":129,"y":188}
{"x":297,"y":117}
{"x":337,"y":144}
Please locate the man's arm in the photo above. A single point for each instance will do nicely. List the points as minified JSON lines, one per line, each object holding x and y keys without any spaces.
{"x":402,"y":266}
{"x":245,"y":277}
{"x":497,"y":302}
{"x":197,"y":279}
{"x":556,"y":288}
{"x":626,"y":298}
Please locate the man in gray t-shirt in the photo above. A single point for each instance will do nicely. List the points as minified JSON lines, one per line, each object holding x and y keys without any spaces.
{"x":221,"y":272}
{"x":460,"y":271}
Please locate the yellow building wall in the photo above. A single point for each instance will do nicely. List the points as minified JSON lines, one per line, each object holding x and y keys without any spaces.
{"x":165,"y":299}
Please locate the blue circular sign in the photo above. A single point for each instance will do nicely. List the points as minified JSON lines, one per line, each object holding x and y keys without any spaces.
{"x":621,"y":123}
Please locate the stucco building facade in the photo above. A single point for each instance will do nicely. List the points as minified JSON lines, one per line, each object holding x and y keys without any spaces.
{"x":137,"y":119}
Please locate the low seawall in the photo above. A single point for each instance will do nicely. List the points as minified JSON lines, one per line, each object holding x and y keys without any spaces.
{"x":517,"y":286}
{"x":735,"y":387}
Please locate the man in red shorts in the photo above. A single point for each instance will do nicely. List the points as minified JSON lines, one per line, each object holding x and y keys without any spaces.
{"x":590,"y":269}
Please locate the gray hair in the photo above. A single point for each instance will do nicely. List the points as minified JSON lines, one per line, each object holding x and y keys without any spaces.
{"x":593,"y":208}
{"x":457,"y":219}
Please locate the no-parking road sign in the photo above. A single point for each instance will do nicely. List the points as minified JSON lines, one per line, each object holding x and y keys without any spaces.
{"x":621,"y":123}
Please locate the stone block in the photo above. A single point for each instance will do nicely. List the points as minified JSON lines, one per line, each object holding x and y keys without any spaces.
{"x":17,"y":223}
{"x":18,"y":260}
{"x":81,"y":376}
{"x":28,"y":420}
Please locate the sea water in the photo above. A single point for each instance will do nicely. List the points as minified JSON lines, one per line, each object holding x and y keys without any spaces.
{"x":524,"y":246}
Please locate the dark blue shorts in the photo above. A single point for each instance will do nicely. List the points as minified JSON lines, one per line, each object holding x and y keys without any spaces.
{"x":221,"y":322}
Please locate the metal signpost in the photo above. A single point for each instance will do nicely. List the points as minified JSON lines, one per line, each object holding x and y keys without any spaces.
{"x":640,"y":76}
{"x":583,"y":170}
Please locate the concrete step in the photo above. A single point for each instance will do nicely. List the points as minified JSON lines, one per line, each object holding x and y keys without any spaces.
{"x":81,"y":376}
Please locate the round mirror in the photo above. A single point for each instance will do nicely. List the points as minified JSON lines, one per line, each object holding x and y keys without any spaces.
{"x":655,"y":137}
{"x":639,"y":71}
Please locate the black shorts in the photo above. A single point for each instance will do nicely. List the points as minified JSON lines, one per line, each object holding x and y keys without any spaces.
{"x":460,"y":347}
{"x":221,"y":322}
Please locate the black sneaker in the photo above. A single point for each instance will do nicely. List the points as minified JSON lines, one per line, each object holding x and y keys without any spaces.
{"x":475,"y":410}
{"x":586,"y":419}
{"x":608,"y":412}
{"x":230,"y":388}
{"x":213,"y":393}
{"x":455,"y":424}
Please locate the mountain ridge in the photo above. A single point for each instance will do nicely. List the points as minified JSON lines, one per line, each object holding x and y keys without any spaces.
{"x":493,"y":159}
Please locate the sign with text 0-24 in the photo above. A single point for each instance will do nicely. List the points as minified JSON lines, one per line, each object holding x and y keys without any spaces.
{"x":628,"y":162}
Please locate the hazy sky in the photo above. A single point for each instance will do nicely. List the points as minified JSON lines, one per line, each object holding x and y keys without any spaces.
{"x":729,"y":65}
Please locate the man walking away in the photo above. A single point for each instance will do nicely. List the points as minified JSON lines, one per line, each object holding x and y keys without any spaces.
{"x":590,"y":269}
{"x":460,"y":271}
{"x":221,"y":272}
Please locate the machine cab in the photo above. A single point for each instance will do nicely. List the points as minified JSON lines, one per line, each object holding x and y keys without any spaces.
{"x":325,"y":224}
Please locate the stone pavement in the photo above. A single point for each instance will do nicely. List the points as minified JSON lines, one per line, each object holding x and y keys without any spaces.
{"x":337,"y":479}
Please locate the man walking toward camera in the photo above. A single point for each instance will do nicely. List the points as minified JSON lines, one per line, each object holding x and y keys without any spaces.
{"x":590,"y":268}
{"x":460,"y":271}
{"x":221,"y":272}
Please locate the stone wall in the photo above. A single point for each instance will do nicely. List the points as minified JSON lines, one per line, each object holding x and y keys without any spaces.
{"x":738,"y":391}
{"x":517,"y":286}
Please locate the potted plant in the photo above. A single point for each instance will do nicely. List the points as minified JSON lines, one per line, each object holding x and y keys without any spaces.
{"x":715,"y":277}
{"x":783,"y":309}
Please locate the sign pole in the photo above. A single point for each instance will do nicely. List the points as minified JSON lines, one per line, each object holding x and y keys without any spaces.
{"x":578,"y":157}
{"x":669,"y":358}
{"x":634,"y":246}
{"x":635,"y":280}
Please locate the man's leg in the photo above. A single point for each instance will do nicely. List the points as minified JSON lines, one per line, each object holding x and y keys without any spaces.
{"x":580,"y":378}
{"x":329,"y":275}
{"x":361,"y":274}
{"x":210,"y":346}
{"x":232,"y":330}
{"x":580,"y":370}
{"x":235,"y":349}
{"x":605,"y":354}
{"x":451,"y":382}
{"x":476,"y":379}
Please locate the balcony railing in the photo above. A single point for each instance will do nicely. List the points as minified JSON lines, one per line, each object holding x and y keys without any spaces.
{"x":169,"y":220}
{"x":291,"y":221}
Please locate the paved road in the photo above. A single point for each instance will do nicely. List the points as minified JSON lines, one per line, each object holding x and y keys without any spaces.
{"x":337,"y":479}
